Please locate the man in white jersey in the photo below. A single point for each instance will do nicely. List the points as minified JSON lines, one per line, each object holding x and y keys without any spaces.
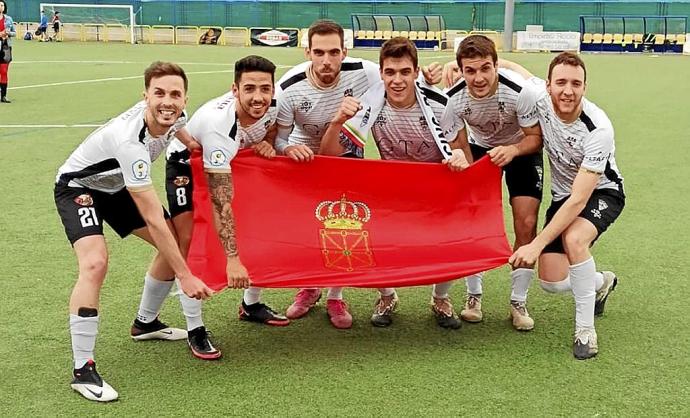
{"x":402,"y":132}
{"x":487,"y":98}
{"x":241,"y":118}
{"x":107,"y":178}
{"x":308,"y":97}
{"x":587,"y":191}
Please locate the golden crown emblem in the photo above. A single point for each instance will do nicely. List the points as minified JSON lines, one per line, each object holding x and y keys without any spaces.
{"x":342,"y":214}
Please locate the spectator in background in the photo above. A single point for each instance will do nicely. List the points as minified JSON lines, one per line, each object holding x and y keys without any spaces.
{"x":6,"y":33}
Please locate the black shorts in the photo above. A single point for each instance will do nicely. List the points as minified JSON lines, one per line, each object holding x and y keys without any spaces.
{"x":56,"y":27}
{"x":524,"y":175}
{"x":43,"y":29}
{"x":83,"y":212}
{"x":602,"y":209}
{"x":178,"y":183}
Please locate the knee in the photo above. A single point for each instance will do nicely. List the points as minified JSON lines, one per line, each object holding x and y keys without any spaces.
{"x":94,"y":267}
{"x":575,"y":243}
{"x":526,"y":227}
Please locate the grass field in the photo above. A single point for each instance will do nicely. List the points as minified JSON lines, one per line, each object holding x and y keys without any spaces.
{"x":413,"y":368}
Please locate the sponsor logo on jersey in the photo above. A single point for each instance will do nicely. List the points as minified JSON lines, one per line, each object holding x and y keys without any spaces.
{"x":140,"y":169}
{"x":181,"y":181}
{"x":84,"y":200}
{"x":305,"y":106}
{"x":217,"y":158}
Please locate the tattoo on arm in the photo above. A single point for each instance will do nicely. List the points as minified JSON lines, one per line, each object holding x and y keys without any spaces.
{"x":221,"y":189}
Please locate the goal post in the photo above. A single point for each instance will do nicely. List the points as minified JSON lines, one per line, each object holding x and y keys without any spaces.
{"x":103,"y":14}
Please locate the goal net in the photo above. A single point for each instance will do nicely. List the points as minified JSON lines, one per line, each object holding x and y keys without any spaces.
{"x":100,"y":22}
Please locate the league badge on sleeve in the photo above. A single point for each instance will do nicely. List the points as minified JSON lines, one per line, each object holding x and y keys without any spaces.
{"x":140,"y":169}
{"x":218,"y":158}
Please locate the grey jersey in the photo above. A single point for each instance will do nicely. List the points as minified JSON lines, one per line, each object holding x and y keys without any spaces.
{"x":587,"y":143}
{"x":309,"y":108}
{"x":118,"y":154}
{"x":215,"y":126}
{"x":404,"y":135}
{"x":492,"y":120}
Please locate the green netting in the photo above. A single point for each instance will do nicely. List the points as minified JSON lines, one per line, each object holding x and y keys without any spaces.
{"x":88,"y":14}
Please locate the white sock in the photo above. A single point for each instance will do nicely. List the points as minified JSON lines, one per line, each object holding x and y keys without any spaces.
{"x":598,"y":280}
{"x":440,"y":290}
{"x":335,"y":293}
{"x":152,"y":298}
{"x":191,"y":308}
{"x":252,"y":295}
{"x":562,"y":286}
{"x":387,"y":291}
{"x":474,"y":284}
{"x":582,"y":282}
{"x":83,"y":331}
{"x":521,"y":278}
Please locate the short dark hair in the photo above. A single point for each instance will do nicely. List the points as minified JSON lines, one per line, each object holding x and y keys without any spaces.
{"x":397,"y":48}
{"x":326,"y":27}
{"x":5,"y":3}
{"x":159,"y":69}
{"x":476,"y":46}
{"x":567,"y":58}
{"x":254,"y":63}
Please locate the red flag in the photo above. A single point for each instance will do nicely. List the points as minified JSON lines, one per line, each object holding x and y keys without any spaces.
{"x":353,"y":223}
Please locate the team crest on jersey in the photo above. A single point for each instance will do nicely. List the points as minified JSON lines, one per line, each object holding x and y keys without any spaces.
{"x":365,"y":118}
{"x":502,"y":107}
{"x":571,"y":141}
{"x":344,"y":241}
{"x":381,"y":120}
{"x":305,"y":106}
{"x":140,"y":169}
{"x":348,"y":92}
{"x":467,"y":111}
{"x":423,"y":123}
{"x":267,"y":123}
{"x":84,"y":200}
{"x":603,"y":205}
{"x":218,"y":158}
{"x":181,"y":181}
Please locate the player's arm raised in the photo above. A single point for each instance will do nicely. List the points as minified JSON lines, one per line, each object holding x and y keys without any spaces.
{"x":331,"y":143}
{"x":151,"y":211}
{"x":221,"y":191}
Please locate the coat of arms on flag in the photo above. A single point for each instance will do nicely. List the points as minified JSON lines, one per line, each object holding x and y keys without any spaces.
{"x":344,"y":243}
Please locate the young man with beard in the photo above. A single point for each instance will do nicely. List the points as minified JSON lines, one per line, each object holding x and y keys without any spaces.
{"x":487,"y":98}
{"x":587,"y":191}
{"x":242,"y":118}
{"x":309,"y":95}
{"x":107,"y":178}
{"x":403,"y":131}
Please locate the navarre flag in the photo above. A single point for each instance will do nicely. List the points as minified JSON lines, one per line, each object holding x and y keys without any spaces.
{"x":353,"y":223}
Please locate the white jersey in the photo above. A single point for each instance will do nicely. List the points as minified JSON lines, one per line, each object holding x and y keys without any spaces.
{"x":118,"y":154}
{"x":404,"y":135}
{"x":492,"y":120}
{"x":585,"y":143}
{"x":216,"y":127}
{"x":309,"y":108}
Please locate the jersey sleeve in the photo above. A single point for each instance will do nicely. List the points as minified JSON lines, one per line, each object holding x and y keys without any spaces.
{"x":216,"y":135}
{"x":286,"y":115}
{"x":135,"y":164}
{"x":597,"y":148}
{"x":527,"y":102}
